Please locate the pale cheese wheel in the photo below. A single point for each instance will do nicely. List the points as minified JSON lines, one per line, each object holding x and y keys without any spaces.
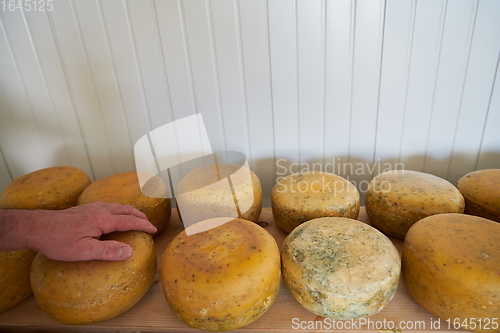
{"x":15,"y":277}
{"x":83,"y":292}
{"x":481,"y":190}
{"x":340,"y":268}
{"x":305,"y":196}
{"x":221,"y":278}
{"x":220,"y":190}
{"x":49,"y":188}
{"x":396,"y":199}
{"x":124,"y":188}
{"x":451,"y":267}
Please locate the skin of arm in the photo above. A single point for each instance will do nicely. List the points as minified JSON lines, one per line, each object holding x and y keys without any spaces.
{"x":72,"y":234}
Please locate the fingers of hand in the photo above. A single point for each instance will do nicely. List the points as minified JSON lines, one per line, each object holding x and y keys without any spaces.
{"x":94,"y":249}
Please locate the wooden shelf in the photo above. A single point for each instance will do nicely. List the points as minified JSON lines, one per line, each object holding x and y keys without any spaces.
{"x":152,"y":314}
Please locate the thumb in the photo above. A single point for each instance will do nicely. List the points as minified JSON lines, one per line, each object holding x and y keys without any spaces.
{"x":109,"y":250}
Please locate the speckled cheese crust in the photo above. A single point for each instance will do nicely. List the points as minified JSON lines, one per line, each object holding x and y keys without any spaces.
{"x":481,"y":190}
{"x":15,"y":277}
{"x":340,"y":268}
{"x":84,"y":292}
{"x":50,"y":188}
{"x":305,"y":196}
{"x":396,"y":199}
{"x":202,"y":191}
{"x":124,"y":188}
{"x":222,"y":278}
{"x":451,"y":267}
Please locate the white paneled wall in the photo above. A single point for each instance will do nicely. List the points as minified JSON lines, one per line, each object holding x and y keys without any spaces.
{"x":331,"y":83}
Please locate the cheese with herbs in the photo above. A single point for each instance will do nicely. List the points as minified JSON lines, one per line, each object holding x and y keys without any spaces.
{"x":305,"y":196}
{"x":396,"y":199}
{"x":481,"y":190}
{"x":340,"y":268}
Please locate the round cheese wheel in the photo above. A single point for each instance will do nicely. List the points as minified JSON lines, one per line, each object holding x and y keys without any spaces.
{"x":50,"y":188}
{"x":481,"y":190}
{"x":83,"y":292}
{"x":451,"y":267}
{"x":124,"y":188}
{"x":340,"y":268}
{"x":15,"y":277}
{"x":305,"y":196}
{"x":221,"y":190}
{"x":396,"y":199}
{"x":222,"y":278}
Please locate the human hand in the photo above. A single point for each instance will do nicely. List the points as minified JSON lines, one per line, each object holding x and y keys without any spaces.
{"x":73,"y":234}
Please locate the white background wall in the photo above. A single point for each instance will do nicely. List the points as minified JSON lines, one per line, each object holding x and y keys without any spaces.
{"x":366,"y":81}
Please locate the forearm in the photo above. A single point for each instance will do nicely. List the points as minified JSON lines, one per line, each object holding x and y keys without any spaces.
{"x":17,"y":228}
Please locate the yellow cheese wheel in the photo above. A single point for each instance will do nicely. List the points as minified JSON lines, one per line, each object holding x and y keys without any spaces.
{"x":83,"y":292}
{"x":124,"y":188}
{"x":396,"y":199}
{"x":50,"y":188}
{"x":481,"y":190}
{"x":305,"y":196}
{"x":15,"y":277}
{"x":340,"y":268}
{"x":221,"y":278}
{"x":451,"y":267}
{"x":222,"y":190}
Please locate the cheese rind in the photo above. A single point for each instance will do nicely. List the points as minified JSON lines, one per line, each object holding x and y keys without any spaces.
{"x":481,"y":190}
{"x":451,"y":267}
{"x":15,"y":277}
{"x":340,"y":268}
{"x":84,"y":292}
{"x":124,"y":188}
{"x":49,"y":188}
{"x":222,"y":278}
{"x":221,"y":190}
{"x":396,"y":199}
{"x":305,"y":196}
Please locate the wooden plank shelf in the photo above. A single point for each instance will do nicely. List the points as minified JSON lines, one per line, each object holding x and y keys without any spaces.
{"x":152,"y":314}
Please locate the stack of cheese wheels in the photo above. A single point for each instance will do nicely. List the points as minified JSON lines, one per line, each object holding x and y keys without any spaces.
{"x":124,"y":188}
{"x":83,"y":292}
{"x":50,"y":188}
{"x":222,"y":276}
{"x":451,"y":267}
{"x":481,"y":190}
{"x":340,"y":268}
{"x":305,"y":196}
{"x":220,"y":190}
{"x":396,"y":199}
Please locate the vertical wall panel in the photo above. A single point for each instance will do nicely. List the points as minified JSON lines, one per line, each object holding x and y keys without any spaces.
{"x":144,"y":31}
{"x":5,"y":177}
{"x":489,"y":154}
{"x":283,"y":50}
{"x":229,"y":65}
{"x":365,"y":95}
{"x":479,"y":79}
{"x":255,"y":48}
{"x":311,"y":82}
{"x":104,"y":82}
{"x":425,"y":51}
{"x":396,"y":58}
{"x":175,"y":52}
{"x":79,"y":76}
{"x":339,"y":50}
{"x":64,"y":127}
{"x":457,"y":36}
{"x":199,"y":32}
{"x":23,"y":118}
